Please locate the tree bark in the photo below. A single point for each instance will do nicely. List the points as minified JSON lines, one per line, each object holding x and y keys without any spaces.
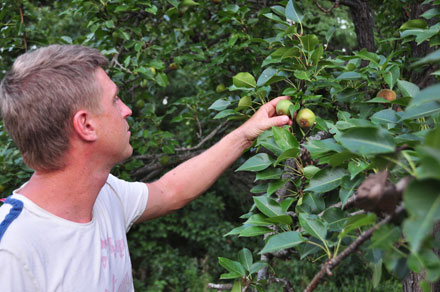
{"x":422,"y":78}
{"x":363,"y":21}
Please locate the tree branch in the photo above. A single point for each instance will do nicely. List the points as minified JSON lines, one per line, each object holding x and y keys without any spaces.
{"x":220,"y":287}
{"x":330,"y":264}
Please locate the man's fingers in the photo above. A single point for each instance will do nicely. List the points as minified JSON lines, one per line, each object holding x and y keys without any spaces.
{"x":279,"y":121}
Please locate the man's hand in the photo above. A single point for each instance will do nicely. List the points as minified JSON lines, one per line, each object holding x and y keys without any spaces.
{"x":264,"y":119}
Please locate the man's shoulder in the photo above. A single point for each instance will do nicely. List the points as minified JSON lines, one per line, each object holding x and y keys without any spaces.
{"x":14,"y":223}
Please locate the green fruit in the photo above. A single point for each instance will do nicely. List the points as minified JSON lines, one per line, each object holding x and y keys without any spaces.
{"x":140,"y":104}
{"x":245,"y":102}
{"x":283,"y":107}
{"x":164,"y":160}
{"x":388,"y":94}
{"x":188,"y":3}
{"x":220,"y":88}
{"x":173,"y":66}
{"x":305,"y":118}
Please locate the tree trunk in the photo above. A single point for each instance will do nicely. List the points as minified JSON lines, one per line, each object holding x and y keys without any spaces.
{"x":422,"y":78}
{"x":363,"y":21}
{"x":412,"y":282}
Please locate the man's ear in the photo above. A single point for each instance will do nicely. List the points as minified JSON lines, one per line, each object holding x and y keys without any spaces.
{"x":84,"y":126}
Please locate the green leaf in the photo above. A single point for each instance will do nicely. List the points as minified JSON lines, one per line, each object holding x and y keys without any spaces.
{"x":310,"y":203}
{"x":407,"y":88}
{"x":348,"y":187}
{"x":275,"y":186}
{"x":282,"y":241}
{"x":261,"y":188}
{"x":268,"y":206}
{"x":230,"y":276}
{"x":313,"y":225}
{"x":225,"y":113}
{"x":357,"y":221}
{"x":310,"y":171}
{"x":335,"y":218}
{"x":220,"y":104}
{"x":232,"y":266}
{"x":377,"y":273}
{"x":284,"y":138}
{"x":301,"y":75}
{"x":414,"y":24}
{"x":244,"y":79}
{"x":433,"y":12}
{"x":162,"y":79}
{"x":427,"y":95}
{"x":309,"y":42}
{"x":291,"y":153}
{"x":326,"y":180}
{"x":271,"y":75}
{"x":245,"y":258}
{"x":429,"y":162}
{"x":422,"y":201}
{"x":67,"y":39}
{"x":369,"y":56}
{"x":352,"y":75}
{"x":257,"y":162}
{"x":367,"y":141}
{"x":254,"y":231}
{"x":385,"y":237}
{"x":237,"y":287}
{"x":283,"y":219}
{"x":356,"y":166}
{"x":292,"y":12}
{"x":257,"y":266}
{"x":387,"y":116}
{"x":257,"y":220}
{"x":270,"y":173}
{"x":235,"y":231}
{"x":422,"y":110}
{"x":317,"y":54}
{"x":431,"y":58}
{"x":267,"y":140}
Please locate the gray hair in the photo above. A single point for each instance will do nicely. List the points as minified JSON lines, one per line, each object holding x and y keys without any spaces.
{"x":40,"y":95}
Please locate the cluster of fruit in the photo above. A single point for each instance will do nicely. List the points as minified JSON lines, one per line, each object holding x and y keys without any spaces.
{"x":305,"y":117}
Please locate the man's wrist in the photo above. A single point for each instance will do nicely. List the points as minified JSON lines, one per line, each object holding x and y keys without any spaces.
{"x":239,"y":139}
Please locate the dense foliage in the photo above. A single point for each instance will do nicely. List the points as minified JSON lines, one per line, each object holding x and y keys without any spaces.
{"x":193,"y":70}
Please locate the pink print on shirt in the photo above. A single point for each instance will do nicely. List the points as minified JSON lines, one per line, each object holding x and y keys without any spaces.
{"x":110,"y":247}
{"x":125,"y":285}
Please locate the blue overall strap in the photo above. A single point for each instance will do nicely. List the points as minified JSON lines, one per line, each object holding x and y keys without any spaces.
{"x":17,"y":207}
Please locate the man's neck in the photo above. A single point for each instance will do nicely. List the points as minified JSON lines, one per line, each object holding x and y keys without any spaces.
{"x":68,"y":193}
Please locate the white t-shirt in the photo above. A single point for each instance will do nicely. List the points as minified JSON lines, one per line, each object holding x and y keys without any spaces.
{"x":42,"y":252}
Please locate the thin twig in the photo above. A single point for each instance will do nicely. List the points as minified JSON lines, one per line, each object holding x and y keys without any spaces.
{"x":204,"y":140}
{"x":20,"y":7}
{"x":220,"y":287}
{"x":335,"y":5}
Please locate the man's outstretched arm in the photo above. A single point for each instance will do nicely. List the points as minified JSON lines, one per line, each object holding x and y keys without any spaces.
{"x":193,"y":177}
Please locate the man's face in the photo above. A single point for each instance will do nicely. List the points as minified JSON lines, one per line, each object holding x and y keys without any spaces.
{"x":112,"y":130}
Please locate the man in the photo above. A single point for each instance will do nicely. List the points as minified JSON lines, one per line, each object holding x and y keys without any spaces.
{"x":65,"y":229}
